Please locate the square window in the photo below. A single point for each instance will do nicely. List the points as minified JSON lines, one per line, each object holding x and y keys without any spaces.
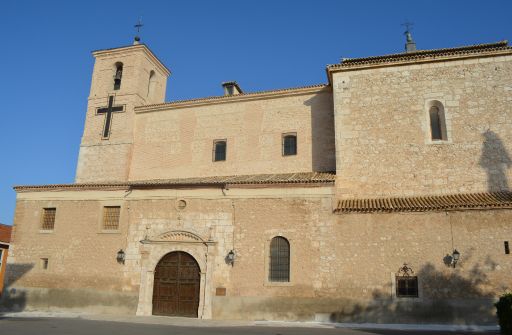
{"x":219,"y":150}
{"x":289,"y":144}
{"x":48,"y":218}
{"x":111,"y":217}
{"x":406,"y":286}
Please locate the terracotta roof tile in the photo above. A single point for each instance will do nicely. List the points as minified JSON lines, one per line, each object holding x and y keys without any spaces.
{"x":426,"y":203}
{"x":421,"y":55}
{"x":283,"y":178}
{"x":5,"y":233}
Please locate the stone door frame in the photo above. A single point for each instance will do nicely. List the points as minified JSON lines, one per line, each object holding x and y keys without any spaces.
{"x":155,"y":249}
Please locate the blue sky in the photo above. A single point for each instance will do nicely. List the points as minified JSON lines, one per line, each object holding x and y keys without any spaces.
{"x":47,"y":64}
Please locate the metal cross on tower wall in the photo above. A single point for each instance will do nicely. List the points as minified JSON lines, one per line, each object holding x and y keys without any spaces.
{"x":108,"y":112}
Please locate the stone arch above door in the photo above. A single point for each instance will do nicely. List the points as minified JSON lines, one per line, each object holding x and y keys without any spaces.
{"x":178,"y":236}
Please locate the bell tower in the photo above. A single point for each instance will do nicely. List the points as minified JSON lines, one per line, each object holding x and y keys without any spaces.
{"x":122,"y":79}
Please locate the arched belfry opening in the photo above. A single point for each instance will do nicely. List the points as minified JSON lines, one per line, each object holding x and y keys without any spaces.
{"x":176,"y":288}
{"x":151,"y":84}
{"x":118,"y":76}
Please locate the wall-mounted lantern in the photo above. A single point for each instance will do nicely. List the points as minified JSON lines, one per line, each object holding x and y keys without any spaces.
{"x":120,"y":256}
{"x":455,"y":257}
{"x":230,"y":258}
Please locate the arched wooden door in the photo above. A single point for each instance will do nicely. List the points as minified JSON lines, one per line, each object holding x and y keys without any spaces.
{"x":177,"y":283}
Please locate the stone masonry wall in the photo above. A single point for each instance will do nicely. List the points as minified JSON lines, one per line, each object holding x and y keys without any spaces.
{"x":383,"y":130}
{"x":342,"y":266}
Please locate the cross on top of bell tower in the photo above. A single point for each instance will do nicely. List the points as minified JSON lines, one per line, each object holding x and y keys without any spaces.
{"x":138,"y":26}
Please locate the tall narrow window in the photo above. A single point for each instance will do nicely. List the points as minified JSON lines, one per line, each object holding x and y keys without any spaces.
{"x":219,"y":150}
{"x":289,"y":144}
{"x":437,"y":121}
{"x":279,"y":270}
{"x":151,"y":83}
{"x":118,"y":76}
{"x":111,"y":217}
{"x":48,"y":218}
{"x":507,"y":248}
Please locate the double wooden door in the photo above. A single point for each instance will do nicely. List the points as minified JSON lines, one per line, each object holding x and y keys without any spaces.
{"x":177,"y":284}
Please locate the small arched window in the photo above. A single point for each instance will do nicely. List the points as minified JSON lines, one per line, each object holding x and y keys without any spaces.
{"x":151,"y":84}
{"x":219,"y":150}
{"x":279,"y":269}
{"x":118,"y":76}
{"x":289,"y":144}
{"x":437,"y":121}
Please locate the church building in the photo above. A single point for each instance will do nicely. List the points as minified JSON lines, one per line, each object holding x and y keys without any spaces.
{"x":380,"y":196}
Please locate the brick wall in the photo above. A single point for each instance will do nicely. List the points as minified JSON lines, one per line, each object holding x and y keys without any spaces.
{"x":178,"y":142}
{"x":109,"y":159}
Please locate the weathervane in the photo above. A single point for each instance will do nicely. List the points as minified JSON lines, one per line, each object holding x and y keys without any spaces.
{"x":138,"y":26}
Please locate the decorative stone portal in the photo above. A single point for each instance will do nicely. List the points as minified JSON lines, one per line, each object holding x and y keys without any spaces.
{"x":181,"y":248}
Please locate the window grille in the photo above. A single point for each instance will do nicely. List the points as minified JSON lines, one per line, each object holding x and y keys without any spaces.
{"x":406,"y":286}
{"x":289,"y":145}
{"x":111,"y":217}
{"x":48,"y":220}
{"x":219,"y":151}
{"x":279,"y":260}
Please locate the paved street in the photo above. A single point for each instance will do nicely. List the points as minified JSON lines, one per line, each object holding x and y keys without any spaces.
{"x":76,"y":326}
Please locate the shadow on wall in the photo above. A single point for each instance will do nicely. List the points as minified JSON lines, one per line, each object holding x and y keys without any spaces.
{"x":446,"y":296}
{"x":496,"y":161}
{"x":13,"y":300}
{"x":322,"y":133}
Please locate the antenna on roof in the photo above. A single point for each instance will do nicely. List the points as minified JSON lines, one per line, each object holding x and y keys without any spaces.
{"x":410,"y":45}
{"x":138,"y":26}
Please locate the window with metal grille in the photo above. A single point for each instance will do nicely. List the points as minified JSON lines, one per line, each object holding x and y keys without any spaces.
{"x":111,"y":217}
{"x":289,"y":144}
{"x":219,"y":150}
{"x":406,"y":286}
{"x":48,"y":219}
{"x":279,"y":270}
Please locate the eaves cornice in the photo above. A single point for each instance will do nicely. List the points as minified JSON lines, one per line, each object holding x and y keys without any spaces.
{"x":234,"y":98}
